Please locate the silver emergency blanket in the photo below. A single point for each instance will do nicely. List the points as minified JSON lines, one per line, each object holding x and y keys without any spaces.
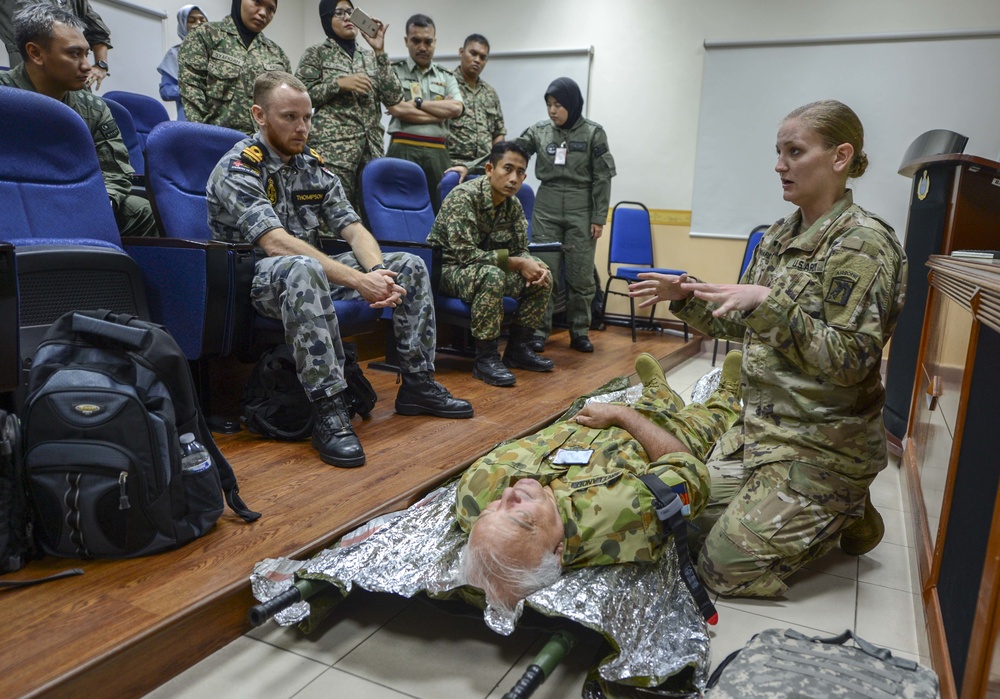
{"x":645,"y":610}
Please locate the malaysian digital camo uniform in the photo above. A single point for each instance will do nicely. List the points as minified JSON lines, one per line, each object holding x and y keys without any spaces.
{"x":250,"y":192}
{"x":471,"y":135}
{"x":95,"y":30}
{"x":569,"y":199}
{"x":132,"y":213}
{"x":795,"y":469}
{"x":477,"y":241}
{"x":347,"y":129}
{"x":608,"y":513}
{"x":217,"y":73}
{"x":423,"y":144}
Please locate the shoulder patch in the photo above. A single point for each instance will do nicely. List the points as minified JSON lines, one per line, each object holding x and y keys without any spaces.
{"x":109,"y":130}
{"x":600,"y":149}
{"x":238,"y":165}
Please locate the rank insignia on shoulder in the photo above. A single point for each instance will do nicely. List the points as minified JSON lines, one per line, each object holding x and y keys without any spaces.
{"x":313,"y":153}
{"x":239,"y":166}
{"x":253,"y":154}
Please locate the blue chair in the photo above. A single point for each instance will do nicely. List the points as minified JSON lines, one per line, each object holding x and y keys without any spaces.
{"x":526,"y":195}
{"x":131,"y":139}
{"x":146,"y":111}
{"x":631,"y":248}
{"x":399,"y":211}
{"x":752,"y":242}
{"x":182,"y":155}
{"x":69,"y":252}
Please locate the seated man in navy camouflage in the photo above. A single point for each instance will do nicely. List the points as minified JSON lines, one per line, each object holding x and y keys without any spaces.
{"x":270,"y":190}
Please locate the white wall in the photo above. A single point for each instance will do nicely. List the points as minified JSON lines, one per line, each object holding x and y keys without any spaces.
{"x":647,"y":70}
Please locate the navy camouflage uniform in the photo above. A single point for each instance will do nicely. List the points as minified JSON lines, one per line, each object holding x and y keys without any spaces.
{"x":794,"y":471}
{"x":477,"y":240}
{"x":250,"y":192}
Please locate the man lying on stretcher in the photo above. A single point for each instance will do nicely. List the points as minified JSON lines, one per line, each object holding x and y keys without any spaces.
{"x":571,"y":495}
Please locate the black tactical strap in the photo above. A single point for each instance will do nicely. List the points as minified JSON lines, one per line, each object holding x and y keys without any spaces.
{"x":668,"y":510}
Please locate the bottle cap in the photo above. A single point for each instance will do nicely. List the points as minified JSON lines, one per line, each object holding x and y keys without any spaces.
{"x":187,"y":438}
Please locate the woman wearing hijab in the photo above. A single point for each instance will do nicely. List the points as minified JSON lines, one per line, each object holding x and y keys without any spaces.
{"x":575,"y":167}
{"x":188,"y":17}
{"x":220,"y":60}
{"x":347,"y":85}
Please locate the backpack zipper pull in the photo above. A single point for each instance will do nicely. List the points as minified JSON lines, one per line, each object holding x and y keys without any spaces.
{"x":123,"y":503}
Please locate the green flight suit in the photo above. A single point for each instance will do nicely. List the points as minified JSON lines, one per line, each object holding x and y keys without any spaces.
{"x":794,"y":470}
{"x":570,"y":198}
{"x":347,"y":129}
{"x":132,"y":213}
{"x":217,"y":72}
{"x":608,"y":513}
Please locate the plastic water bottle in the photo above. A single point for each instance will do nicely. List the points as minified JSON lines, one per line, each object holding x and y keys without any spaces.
{"x":196,"y":458}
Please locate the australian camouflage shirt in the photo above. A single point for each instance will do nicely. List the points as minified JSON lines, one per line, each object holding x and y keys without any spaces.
{"x":607,"y":512}
{"x":217,"y":72}
{"x":251,"y":191}
{"x":471,"y":231}
{"x":347,"y":126}
{"x":111,"y":151}
{"x":471,"y":135}
{"x":812,"y":355}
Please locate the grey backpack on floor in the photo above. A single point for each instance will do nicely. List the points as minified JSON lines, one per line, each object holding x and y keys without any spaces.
{"x":788,"y":664}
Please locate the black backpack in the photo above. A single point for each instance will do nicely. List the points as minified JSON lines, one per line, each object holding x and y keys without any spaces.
{"x":276,"y":406}
{"x":16,"y":545}
{"x":109,"y":396}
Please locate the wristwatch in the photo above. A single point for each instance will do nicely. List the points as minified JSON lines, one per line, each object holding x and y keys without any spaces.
{"x":419,"y":103}
{"x":377,"y":267}
{"x":103,"y":65}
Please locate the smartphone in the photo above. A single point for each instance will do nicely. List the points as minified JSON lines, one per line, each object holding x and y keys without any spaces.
{"x":363,"y":22}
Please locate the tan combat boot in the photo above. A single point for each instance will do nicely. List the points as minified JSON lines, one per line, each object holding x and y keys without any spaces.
{"x":865,"y":534}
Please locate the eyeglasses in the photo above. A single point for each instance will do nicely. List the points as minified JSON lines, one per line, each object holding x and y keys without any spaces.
{"x":343,"y":13}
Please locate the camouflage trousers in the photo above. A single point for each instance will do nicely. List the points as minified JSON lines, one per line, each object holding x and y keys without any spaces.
{"x":484,"y":286}
{"x":767,"y":522}
{"x":135,"y":217}
{"x":562,"y":214}
{"x":295,"y":290}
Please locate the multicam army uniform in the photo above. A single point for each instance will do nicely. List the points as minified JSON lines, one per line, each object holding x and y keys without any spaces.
{"x":132,"y":213}
{"x":569,"y":199}
{"x":471,"y":135}
{"x":608,"y":513}
{"x":423,"y":144}
{"x":95,"y":30}
{"x":477,"y":241}
{"x":217,"y":73}
{"x":250,"y":192}
{"x":347,"y":129}
{"x":811,"y":438}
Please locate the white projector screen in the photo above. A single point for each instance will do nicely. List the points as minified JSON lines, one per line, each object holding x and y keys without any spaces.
{"x":900,"y":87}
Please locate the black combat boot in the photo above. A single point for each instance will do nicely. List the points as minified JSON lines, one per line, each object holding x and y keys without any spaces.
{"x":333,"y":437}
{"x":519,"y":355}
{"x":488,"y":367}
{"x":420,"y":394}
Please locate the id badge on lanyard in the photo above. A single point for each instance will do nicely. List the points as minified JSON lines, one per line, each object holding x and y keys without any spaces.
{"x":561,"y":154}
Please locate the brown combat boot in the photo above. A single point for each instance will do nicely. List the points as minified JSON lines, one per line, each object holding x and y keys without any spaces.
{"x":865,"y":534}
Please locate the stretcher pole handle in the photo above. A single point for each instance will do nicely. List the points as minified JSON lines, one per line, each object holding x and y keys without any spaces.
{"x":545,"y":662}
{"x":300,"y":590}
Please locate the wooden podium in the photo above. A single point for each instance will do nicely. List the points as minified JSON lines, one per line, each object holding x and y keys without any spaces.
{"x":954,"y":205}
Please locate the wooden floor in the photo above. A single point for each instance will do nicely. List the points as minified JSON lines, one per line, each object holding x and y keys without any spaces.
{"x":127,"y":626}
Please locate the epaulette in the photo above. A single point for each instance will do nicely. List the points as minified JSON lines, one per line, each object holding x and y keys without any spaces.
{"x":254,"y":153}
{"x":319,"y":158}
